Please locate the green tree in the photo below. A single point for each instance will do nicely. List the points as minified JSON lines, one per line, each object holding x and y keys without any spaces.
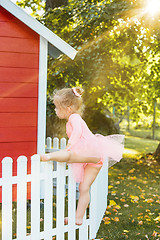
{"x":118,"y":55}
{"x":51,"y":4}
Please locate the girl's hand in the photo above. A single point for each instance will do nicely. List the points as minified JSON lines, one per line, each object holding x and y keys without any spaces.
{"x":44,"y":158}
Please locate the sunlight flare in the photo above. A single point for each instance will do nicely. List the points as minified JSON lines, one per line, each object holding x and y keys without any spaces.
{"x":153,"y":7}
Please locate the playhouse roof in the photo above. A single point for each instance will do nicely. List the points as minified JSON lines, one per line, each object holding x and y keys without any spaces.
{"x":56,"y":45}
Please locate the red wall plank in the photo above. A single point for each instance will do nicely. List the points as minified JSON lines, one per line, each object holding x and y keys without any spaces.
{"x":19,"y":60}
{"x":18,"y":120}
{"x":8,"y":29}
{"x":4,"y":15}
{"x":11,"y":26}
{"x":18,"y":75}
{"x":19,"y":45}
{"x":18,"y":134}
{"x":18,"y":105}
{"x":18,"y":90}
{"x":10,"y":149}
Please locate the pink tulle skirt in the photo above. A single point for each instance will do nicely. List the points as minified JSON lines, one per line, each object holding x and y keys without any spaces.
{"x":107,"y":148}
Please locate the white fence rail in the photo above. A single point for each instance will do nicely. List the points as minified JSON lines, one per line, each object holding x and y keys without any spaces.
{"x":48,"y":223}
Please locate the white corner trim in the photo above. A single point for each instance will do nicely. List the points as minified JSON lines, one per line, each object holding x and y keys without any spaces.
{"x":42,"y":95}
{"x":39,"y":28}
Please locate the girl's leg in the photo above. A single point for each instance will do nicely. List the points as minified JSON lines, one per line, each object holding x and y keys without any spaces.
{"x":59,"y":156}
{"x":68,"y":156}
{"x":90,"y":174}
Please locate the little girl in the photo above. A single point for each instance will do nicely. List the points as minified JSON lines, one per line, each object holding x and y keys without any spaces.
{"x":84,"y":150}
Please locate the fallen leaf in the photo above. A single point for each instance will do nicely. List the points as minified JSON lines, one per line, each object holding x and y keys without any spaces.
{"x":140,"y":214}
{"x":140,"y":223}
{"x":146,"y":236}
{"x":154,"y":234}
{"x":122,"y":200}
{"x":118,"y":182}
{"x":117,"y":207}
{"x":126,"y":205}
{"x":133,"y":178}
{"x":112,"y":203}
{"x":107,"y":212}
{"x":150,"y":200}
{"x":115,"y":210}
{"x":116,"y":219}
{"x":132,"y":170}
{"x":157,"y":219}
{"x":134,"y":198}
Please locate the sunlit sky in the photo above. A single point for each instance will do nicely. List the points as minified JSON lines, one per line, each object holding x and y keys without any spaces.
{"x":28,"y":10}
{"x":153,"y":7}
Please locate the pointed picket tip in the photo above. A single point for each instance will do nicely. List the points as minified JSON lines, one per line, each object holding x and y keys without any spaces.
{"x":35,"y":157}
{"x":22,"y":159}
{"x":63,"y":143}
{"x":7,"y":160}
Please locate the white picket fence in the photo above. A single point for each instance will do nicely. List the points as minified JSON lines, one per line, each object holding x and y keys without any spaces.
{"x":59,"y":178}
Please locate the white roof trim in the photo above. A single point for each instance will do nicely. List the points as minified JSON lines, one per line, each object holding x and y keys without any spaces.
{"x":39,"y":28}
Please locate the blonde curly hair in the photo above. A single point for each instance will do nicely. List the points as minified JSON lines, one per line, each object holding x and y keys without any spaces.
{"x":69,"y":97}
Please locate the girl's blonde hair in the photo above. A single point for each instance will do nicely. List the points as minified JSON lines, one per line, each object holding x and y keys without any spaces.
{"x":69,"y":97}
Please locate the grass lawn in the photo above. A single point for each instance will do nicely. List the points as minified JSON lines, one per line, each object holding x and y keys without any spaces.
{"x":134,"y":146}
{"x":133,"y":210}
{"x":143,"y":133}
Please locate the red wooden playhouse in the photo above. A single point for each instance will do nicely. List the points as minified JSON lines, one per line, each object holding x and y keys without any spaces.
{"x":24,"y":47}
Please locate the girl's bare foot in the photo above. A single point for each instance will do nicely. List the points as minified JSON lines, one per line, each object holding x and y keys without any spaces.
{"x":66,"y":220}
{"x":79,"y":221}
{"x":44,"y":157}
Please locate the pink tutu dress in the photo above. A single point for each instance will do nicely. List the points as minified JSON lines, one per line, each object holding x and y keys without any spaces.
{"x":83,"y":142}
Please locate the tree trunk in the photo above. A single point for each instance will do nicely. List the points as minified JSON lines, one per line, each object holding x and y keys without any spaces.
{"x":154,"y":120}
{"x":55,"y":3}
{"x":157,"y":153}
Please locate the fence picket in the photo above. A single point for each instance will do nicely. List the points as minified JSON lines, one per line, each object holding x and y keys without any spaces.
{"x":83,"y":230}
{"x":60,"y":200}
{"x":71,"y":205}
{"x":21,"y":197}
{"x":35,"y":197}
{"x":49,"y":144}
{"x":55,"y":148}
{"x":55,"y":144}
{"x":63,"y":143}
{"x":7,"y":198}
{"x":48,"y":209}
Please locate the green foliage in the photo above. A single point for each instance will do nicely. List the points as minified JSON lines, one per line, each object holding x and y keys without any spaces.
{"x":114,"y":53}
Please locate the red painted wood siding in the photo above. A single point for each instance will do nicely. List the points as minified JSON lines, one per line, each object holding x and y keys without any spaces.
{"x":19,"y":72}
